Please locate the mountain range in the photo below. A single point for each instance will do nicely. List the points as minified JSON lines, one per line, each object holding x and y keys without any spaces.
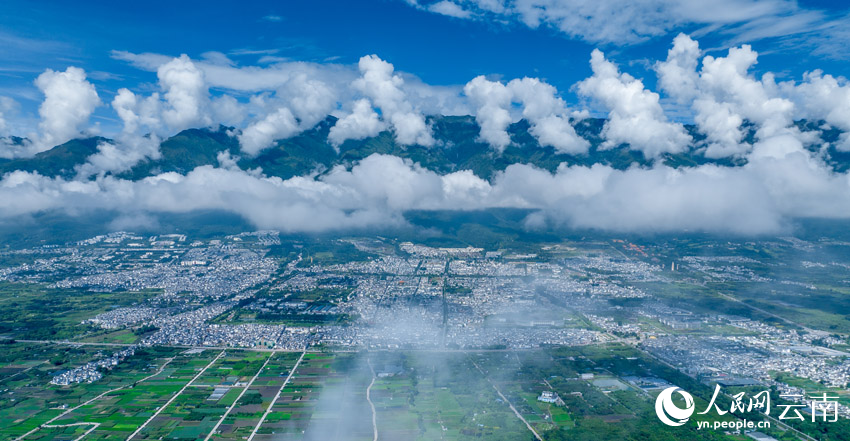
{"x":457,"y":148}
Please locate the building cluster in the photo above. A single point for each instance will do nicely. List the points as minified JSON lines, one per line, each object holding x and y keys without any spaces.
{"x":93,"y":370}
{"x":548,"y":396}
{"x":123,"y":317}
{"x":725,"y":268}
{"x":763,"y":358}
{"x":127,"y":262}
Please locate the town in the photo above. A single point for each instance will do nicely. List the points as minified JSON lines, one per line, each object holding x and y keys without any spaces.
{"x":242,"y":291}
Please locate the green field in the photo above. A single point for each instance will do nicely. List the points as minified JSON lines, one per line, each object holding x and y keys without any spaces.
{"x":35,"y":312}
{"x":417,"y":396}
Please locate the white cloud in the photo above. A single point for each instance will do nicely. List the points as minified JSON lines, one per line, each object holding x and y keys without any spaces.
{"x":227,"y":110}
{"x":722,"y":127}
{"x":621,"y":23}
{"x":781,"y":181}
{"x":635,"y":115}
{"x":248,"y":78}
{"x":69,"y":100}
{"x":657,"y":199}
{"x":723,"y":95}
{"x":298,"y":105}
{"x":312,"y":91}
{"x":491,"y":100}
{"x":726,"y":79}
{"x":217,"y":58}
{"x":548,"y":115}
{"x":678,"y":74}
{"x":185,"y":93}
{"x":125,"y":103}
{"x":260,"y":135}
{"x":545,"y":111}
{"x":120,"y":155}
{"x":137,"y":113}
{"x":373,"y":193}
{"x":311,"y":100}
{"x":362,"y":122}
{"x":823,"y":97}
{"x":452,"y":9}
{"x":378,"y":83}
{"x":130,"y":146}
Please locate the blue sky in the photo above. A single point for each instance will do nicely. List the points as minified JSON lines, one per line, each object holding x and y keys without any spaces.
{"x":440,"y":49}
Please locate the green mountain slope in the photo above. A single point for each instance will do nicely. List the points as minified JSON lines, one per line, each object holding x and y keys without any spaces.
{"x":457,"y":148}
{"x":58,"y":161}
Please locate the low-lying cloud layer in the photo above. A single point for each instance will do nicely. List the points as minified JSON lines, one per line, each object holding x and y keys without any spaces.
{"x":780,"y":183}
{"x":781,"y":178}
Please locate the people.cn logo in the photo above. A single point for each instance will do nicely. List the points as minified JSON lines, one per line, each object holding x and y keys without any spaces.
{"x":668,"y":412}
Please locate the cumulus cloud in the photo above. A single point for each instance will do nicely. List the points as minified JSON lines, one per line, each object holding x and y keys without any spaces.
{"x":378,"y":83}
{"x":262,"y":134}
{"x":635,"y":115}
{"x":185,"y":92}
{"x":138,"y":140}
{"x":723,"y":95}
{"x":719,"y":92}
{"x":548,"y":115}
{"x":120,"y":155}
{"x":137,"y":113}
{"x":69,"y":101}
{"x":298,"y":105}
{"x":363,"y":122}
{"x":313,"y":90}
{"x":311,"y":99}
{"x":823,"y":97}
{"x":726,"y":79}
{"x":545,"y":111}
{"x":721,"y":125}
{"x":677,"y":75}
{"x":491,"y":100}
{"x":184,"y":103}
{"x":227,"y":110}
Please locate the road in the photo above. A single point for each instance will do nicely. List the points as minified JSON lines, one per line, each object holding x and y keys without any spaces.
{"x":158,"y":411}
{"x":230,"y":409}
{"x":48,"y":423}
{"x":371,"y":404}
{"x":276,"y":397}
{"x":92,"y":429}
{"x":505,"y":399}
{"x":755,"y":308}
{"x":23,"y":371}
